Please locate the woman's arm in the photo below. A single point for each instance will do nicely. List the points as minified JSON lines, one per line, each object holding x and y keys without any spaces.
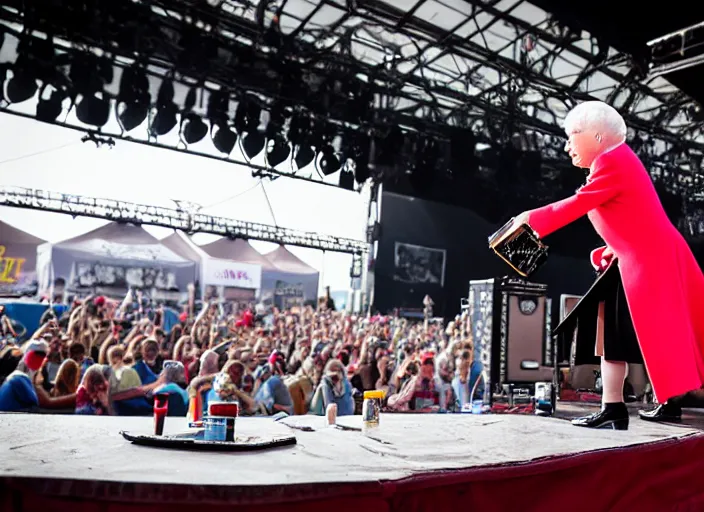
{"x":49,"y":402}
{"x":605,"y":183}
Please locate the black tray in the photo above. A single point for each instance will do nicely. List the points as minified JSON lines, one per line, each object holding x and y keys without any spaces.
{"x":195,"y":441}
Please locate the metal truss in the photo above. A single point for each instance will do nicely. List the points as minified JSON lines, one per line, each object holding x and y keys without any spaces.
{"x":677,"y":51}
{"x":502,"y":68}
{"x":188,"y":222}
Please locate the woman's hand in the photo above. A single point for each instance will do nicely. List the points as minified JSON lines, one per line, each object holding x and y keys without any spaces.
{"x":601,"y":258}
{"x":520,"y":219}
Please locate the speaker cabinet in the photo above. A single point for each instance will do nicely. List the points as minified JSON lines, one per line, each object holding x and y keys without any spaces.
{"x":511,"y":329}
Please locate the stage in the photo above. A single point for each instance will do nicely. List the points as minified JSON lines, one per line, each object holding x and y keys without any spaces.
{"x":413,"y":463}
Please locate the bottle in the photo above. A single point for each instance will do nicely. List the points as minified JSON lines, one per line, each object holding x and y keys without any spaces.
{"x":371,"y":407}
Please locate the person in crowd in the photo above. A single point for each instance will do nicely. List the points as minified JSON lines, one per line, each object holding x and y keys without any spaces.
{"x":334,"y":388}
{"x":227,"y":387}
{"x":174,"y":384}
{"x":150,"y":365}
{"x":92,"y":396}
{"x":123,"y":377}
{"x":651,"y":266}
{"x":271,"y":392}
{"x":67,"y":379}
{"x":21,"y":393}
{"x":77,"y":352}
{"x":467,"y":384}
{"x":209,"y":363}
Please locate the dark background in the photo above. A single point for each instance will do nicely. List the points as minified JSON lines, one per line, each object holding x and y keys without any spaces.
{"x":464,"y":235}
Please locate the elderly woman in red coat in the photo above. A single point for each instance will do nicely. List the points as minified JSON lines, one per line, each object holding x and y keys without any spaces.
{"x":661,"y":280}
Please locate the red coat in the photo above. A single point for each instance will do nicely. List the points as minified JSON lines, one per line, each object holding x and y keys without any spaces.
{"x":663,"y":283}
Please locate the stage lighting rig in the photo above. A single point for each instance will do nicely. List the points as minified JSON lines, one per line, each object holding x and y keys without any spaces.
{"x":165,"y":117}
{"x":89,"y":74}
{"x":247,"y":121}
{"x":329,"y":163}
{"x":224,"y":139}
{"x":677,"y":51}
{"x":133,"y":100}
{"x":193,"y":128}
{"x":49,"y":107}
{"x":278,"y":149}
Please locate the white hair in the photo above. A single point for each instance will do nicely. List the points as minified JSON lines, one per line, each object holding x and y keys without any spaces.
{"x":597,"y":116}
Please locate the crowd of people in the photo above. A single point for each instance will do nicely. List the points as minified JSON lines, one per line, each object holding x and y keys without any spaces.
{"x":102,"y":357}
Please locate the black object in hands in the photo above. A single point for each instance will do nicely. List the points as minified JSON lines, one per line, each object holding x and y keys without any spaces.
{"x":520,"y":247}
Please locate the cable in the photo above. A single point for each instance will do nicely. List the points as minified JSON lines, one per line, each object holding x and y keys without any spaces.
{"x":271,"y":210}
{"x":233,"y":197}
{"x":37,"y":153}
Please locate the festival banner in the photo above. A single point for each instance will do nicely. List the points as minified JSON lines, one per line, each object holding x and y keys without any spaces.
{"x":217,"y":272}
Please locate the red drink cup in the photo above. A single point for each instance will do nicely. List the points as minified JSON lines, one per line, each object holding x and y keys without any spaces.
{"x":161,"y":407}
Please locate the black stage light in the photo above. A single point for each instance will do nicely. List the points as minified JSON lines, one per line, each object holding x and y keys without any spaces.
{"x":94,"y":109}
{"x":329,"y":163}
{"x":224,"y":139}
{"x":194,"y":128}
{"x":49,"y":108}
{"x":166,"y":111}
{"x":88,"y":75}
{"x":253,"y":143}
{"x":22,"y":86}
{"x":304,"y":156}
{"x":278,"y":150}
{"x":134,"y":97}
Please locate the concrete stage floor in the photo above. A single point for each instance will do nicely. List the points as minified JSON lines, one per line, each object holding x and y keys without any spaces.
{"x":86,"y":457}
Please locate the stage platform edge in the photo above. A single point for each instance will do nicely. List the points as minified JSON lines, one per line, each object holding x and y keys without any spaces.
{"x":413,"y":463}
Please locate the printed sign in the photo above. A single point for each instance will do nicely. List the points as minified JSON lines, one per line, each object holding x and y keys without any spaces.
{"x":218,"y":272}
{"x":10,"y":268}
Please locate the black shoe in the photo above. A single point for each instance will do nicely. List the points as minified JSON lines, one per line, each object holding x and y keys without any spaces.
{"x":612,"y":416}
{"x":666,"y":412}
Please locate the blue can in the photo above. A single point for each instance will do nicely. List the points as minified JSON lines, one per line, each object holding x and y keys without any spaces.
{"x":219,"y":428}
{"x":477,"y":406}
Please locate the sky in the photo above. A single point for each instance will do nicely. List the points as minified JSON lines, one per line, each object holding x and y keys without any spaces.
{"x":47,"y":157}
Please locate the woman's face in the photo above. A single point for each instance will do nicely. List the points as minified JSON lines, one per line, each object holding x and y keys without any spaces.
{"x":236,"y":373}
{"x":149,"y":353}
{"x":583,"y":147}
{"x":98,"y":387}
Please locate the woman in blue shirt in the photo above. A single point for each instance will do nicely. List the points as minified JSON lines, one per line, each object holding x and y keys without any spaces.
{"x":334,"y":388}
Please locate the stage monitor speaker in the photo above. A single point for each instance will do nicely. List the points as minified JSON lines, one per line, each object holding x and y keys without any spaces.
{"x":511,"y":331}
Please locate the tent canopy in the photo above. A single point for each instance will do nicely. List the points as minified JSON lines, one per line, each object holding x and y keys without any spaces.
{"x":122,"y":242}
{"x":11,"y":235}
{"x":114,"y":257}
{"x":237,"y":250}
{"x":285,"y":260}
{"x":180,"y":245}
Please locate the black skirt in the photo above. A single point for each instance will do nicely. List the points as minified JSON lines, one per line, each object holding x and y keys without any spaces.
{"x":620,"y":341}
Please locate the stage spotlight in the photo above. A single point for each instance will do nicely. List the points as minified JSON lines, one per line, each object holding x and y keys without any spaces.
{"x":88,"y":75}
{"x":166,"y":111}
{"x":304,"y":156}
{"x":94,"y":109}
{"x":224,"y":139}
{"x":134,"y":97}
{"x":49,"y":109}
{"x":193,"y":128}
{"x":253,"y":143}
{"x":22,"y":86}
{"x":278,"y":150}
{"x":329,"y":163}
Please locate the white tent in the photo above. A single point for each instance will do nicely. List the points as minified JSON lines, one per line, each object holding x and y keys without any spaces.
{"x":113,"y":258}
